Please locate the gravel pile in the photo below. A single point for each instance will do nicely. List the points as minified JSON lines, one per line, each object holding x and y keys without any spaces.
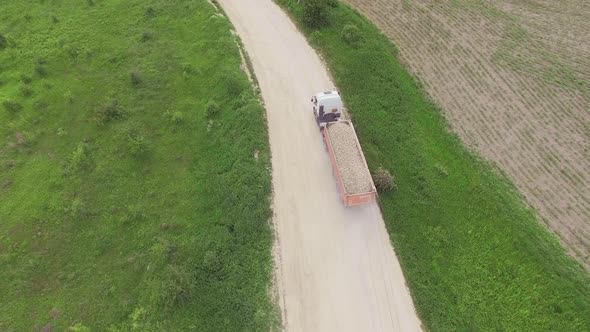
{"x":355,"y":176}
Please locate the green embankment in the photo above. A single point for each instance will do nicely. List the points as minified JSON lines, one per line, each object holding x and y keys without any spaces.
{"x":474,"y":256}
{"x":127,"y":203}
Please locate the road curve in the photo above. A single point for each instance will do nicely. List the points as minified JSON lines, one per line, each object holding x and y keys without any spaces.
{"x":336,"y":269}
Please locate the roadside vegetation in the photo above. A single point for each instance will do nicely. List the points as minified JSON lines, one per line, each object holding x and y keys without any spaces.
{"x":474,"y":255}
{"x":134,"y":170}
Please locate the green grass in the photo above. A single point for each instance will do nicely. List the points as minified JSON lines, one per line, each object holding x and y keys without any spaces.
{"x":124,"y":205}
{"x":474,"y":256}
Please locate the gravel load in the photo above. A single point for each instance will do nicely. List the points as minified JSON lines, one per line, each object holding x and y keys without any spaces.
{"x":355,"y":175}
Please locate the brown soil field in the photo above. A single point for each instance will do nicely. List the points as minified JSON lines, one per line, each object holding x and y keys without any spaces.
{"x":513,"y":79}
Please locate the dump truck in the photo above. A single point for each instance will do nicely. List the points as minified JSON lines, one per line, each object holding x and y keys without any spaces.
{"x":348,"y":161}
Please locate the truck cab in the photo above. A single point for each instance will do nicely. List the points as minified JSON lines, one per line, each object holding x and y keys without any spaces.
{"x":327,"y":107}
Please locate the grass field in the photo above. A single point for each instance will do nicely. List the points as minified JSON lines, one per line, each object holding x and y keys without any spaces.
{"x":474,"y":256}
{"x":134,"y":170}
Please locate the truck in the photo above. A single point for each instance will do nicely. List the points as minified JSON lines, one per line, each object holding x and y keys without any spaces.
{"x":348,"y":161}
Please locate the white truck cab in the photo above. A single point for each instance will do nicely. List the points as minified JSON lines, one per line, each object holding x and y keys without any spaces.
{"x":327,"y":107}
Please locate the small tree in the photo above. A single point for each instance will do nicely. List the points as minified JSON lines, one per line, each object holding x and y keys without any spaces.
{"x":315,"y":13}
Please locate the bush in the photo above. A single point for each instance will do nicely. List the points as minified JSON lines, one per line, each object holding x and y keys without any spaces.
{"x":351,"y":35}
{"x":25,"y":90}
{"x":26,"y":79}
{"x":315,"y":13}
{"x":111,"y":111}
{"x":79,"y":327}
{"x":177,"y":117}
{"x":3,"y":42}
{"x":150,"y":12}
{"x":146,"y":36}
{"x":40,"y":71}
{"x":383,"y":180}
{"x":176,"y":288}
{"x":69,"y":96}
{"x":80,"y":158}
{"x":11,"y":106}
{"x":72,"y":51}
{"x":135,"y":78}
{"x":232,"y":84}
{"x":212,"y":263}
{"x":137,"y":144}
{"x":212,"y":109}
{"x":314,"y":37}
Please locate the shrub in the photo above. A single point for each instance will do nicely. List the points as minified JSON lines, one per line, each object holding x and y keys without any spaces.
{"x":137,"y":143}
{"x":232,"y":84}
{"x":212,"y":264}
{"x":11,"y":106}
{"x":332,"y":3}
{"x":26,"y":79}
{"x":212,"y":109}
{"x":80,"y":158}
{"x":176,"y":288}
{"x":177,"y":117}
{"x":111,"y":111}
{"x":135,"y":78}
{"x":54,"y":19}
{"x":314,"y":37}
{"x":3,"y":42}
{"x":79,"y":327}
{"x":351,"y":35}
{"x":40,"y":70}
{"x":150,"y":12}
{"x":40,"y":106}
{"x":76,"y":208}
{"x":189,"y":69}
{"x":68,"y":96}
{"x":315,"y":13}
{"x":383,"y":180}
{"x":90,"y":2}
{"x":25,"y":90}
{"x":146,"y":36}
{"x":72,"y":51}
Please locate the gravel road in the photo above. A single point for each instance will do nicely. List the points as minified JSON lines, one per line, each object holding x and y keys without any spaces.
{"x":355,"y":176}
{"x":335,"y":266}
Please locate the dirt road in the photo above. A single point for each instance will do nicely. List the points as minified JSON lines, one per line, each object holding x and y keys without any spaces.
{"x":337,"y":270}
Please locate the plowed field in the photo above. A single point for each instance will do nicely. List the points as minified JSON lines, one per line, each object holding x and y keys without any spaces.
{"x":513,"y":79}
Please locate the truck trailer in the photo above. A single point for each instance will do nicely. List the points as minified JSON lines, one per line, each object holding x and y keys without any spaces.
{"x":348,"y":161}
